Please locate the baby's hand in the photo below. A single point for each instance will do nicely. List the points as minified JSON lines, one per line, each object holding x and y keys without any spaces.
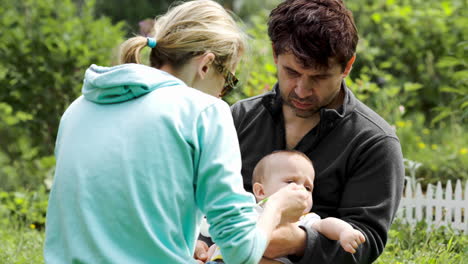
{"x":351,"y":239}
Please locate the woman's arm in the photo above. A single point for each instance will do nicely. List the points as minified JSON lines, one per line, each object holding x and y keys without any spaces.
{"x":220,"y":194}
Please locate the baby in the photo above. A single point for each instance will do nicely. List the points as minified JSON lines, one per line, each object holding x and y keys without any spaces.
{"x":281,"y":168}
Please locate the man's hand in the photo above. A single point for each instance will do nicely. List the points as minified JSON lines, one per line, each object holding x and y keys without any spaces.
{"x":351,"y":239}
{"x":288,"y":239}
{"x":201,"y":252}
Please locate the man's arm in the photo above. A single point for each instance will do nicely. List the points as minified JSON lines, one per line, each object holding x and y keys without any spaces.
{"x":369,"y":202}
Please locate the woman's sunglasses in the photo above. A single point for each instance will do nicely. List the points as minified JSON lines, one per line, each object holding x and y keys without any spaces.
{"x":230,"y":80}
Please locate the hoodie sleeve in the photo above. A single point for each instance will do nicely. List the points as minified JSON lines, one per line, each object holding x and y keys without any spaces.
{"x":220,"y":194}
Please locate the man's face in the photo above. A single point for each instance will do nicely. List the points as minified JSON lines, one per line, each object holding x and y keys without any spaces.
{"x":305,"y":91}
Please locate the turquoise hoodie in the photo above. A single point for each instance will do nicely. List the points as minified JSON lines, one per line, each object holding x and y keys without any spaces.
{"x":140,"y":158}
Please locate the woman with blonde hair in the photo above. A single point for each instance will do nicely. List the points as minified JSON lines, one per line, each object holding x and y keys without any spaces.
{"x":146,"y":151}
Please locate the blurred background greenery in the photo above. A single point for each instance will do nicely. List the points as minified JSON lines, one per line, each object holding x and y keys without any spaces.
{"x":411,"y":68}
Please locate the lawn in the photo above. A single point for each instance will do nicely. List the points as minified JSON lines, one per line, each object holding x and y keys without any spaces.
{"x":23,"y":244}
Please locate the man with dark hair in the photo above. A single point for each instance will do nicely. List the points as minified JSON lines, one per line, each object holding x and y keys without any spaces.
{"x":357,"y":156}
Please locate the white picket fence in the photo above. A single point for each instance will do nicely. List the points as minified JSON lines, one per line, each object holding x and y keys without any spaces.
{"x":436,"y":207}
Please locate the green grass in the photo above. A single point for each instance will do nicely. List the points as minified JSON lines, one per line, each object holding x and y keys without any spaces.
{"x":21,"y":244}
{"x":418,"y":245}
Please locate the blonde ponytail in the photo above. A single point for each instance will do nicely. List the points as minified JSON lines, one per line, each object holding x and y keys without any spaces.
{"x":188,"y":30}
{"x":130,"y":49}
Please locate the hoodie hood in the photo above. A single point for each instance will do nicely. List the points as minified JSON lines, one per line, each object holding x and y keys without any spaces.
{"x":107,"y":85}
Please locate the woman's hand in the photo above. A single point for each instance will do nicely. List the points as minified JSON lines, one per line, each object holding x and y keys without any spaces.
{"x":284,"y":206}
{"x":201,"y":252}
{"x":290,"y":202}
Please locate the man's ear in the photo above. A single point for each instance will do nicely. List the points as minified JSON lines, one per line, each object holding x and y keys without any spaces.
{"x":349,"y":66}
{"x":204,"y":64}
{"x":258,"y":191}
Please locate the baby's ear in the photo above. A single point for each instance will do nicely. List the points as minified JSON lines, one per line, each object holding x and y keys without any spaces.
{"x":258,"y":191}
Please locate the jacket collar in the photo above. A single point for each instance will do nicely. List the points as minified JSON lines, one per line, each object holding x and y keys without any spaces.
{"x":273,"y":102}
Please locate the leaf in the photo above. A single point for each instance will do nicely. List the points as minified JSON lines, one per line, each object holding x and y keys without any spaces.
{"x":446,"y":62}
{"x":464,"y":105}
{"x":270,"y":68}
{"x":447,"y":7}
{"x":376,"y":17}
{"x":441,"y":116}
{"x":461,"y":75}
{"x":447,"y":89}
{"x":409,"y":87}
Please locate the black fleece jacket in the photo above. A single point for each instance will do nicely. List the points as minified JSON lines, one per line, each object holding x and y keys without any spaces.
{"x":358,"y":166}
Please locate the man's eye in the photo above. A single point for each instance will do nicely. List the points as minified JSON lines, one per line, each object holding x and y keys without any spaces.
{"x":308,"y":189}
{"x":292,"y":73}
{"x":288,"y":182}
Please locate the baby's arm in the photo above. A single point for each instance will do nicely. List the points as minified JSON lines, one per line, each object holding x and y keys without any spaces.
{"x":337,"y":229}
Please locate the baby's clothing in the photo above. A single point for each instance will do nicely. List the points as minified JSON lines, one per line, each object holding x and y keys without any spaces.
{"x":306,"y":220}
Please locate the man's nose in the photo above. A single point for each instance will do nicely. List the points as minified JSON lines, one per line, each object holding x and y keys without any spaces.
{"x":303,"y":89}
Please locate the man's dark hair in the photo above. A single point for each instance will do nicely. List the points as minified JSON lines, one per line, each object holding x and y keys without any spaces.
{"x":314,"y":31}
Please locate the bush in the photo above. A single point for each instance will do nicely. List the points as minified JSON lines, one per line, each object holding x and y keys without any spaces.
{"x":441,"y":149}
{"x":131,"y":12}
{"x":20,"y":163}
{"x":416,"y":45}
{"x":45,"y":47}
{"x":256,"y":71}
{"x":25,"y":207}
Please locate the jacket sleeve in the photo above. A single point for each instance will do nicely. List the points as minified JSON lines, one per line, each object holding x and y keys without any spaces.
{"x":369,"y":201}
{"x":220,"y":194}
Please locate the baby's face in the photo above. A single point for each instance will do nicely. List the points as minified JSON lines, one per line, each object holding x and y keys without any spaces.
{"x":283,"y":170}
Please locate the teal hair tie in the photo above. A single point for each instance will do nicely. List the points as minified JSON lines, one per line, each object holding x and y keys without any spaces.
{"x":151,"y":42}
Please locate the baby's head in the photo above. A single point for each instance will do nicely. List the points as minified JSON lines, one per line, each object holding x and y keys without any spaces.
{"x":281,"y":168}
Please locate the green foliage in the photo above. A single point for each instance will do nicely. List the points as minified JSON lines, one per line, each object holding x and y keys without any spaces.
{"x":419,"y":45}
{"x":45,"y":46}
{"x":257,"y":70}
{"x":409,"y":244}
{"x":131,"y":11}
{"x":441,"y":149}
{"x":22,"y":219}
{"x":20,"y":162}
{"x":134,"y":11}
{"x":27,"y":207}
{"x":246,"y":8}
